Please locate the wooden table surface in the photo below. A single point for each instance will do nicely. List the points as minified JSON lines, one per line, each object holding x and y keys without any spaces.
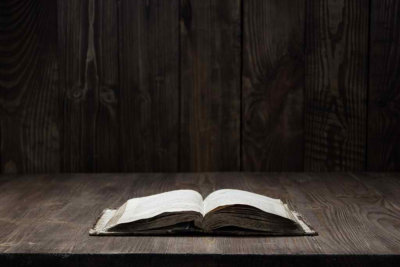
{"x":45,"y":219}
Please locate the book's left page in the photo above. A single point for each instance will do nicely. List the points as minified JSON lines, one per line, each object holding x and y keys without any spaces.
{"x":152,"y":212}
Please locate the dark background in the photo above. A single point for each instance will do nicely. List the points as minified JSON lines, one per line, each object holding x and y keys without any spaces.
{"x":196,"y":85}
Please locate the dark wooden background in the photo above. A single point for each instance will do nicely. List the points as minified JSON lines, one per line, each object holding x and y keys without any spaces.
{"x":195,"y":85}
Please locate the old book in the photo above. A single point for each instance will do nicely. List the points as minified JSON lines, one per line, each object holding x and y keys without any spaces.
{"x":223,"y":212}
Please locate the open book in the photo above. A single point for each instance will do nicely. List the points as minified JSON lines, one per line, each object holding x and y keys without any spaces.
{"x":226,"y":212}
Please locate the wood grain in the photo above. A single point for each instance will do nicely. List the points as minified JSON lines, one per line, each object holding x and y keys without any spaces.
{"x":191,"y":85}
{"x":336,"y":84}
{"x":28,"y":87}
{"x":384,"y":92}
{"x":360,"y":208}
{"x":78,"y":83}
{"x":149,"y":64}
{"x":273,"y":85}
{"x":88,"y":44}
{"x":356,"y":216}
{"x":107,"y":145}
{"x":210,"y":85}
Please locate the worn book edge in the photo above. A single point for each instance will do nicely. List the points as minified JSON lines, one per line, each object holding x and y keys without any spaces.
{"x":308,"y":230}
{"x":107,"y":214}
{"x":101,"y":222}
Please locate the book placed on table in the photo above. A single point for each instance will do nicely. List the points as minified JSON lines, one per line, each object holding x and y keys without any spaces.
{"x":223,"y":212}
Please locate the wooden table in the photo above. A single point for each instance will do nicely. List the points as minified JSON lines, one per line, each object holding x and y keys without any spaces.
{"x":44,"y":220}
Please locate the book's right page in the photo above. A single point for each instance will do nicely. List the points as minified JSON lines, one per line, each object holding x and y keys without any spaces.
{"x":225,"y":197}
{"x":221,"y":199}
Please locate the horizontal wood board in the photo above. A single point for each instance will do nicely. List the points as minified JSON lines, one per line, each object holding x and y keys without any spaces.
{"x":356,"y":216}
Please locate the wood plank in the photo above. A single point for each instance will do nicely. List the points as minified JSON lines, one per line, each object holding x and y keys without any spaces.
{"x":356,"y":215}
{"x":387,"y":186}
{"x":88,"y":43}
{"x":77,"y":83}
{"x":384,"y":93}
{"x":107,"y":146}
{"x":380,"y":182}
{"x":210,"y":85}
{"x":273,"y":85}
{"x":336,"y":84}
{"x":149,"y":64}
{"x":360,"y":209}
{"x":28,"y":87}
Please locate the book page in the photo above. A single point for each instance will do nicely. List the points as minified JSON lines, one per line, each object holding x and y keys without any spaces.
{"x":227,"y":197}
{"x":151,"y":206}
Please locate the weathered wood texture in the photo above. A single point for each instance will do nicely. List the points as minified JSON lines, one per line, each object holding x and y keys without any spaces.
{"x":191,"y":85}
{"x":384,"y":93}
{"x":210,"y":85}
{"x":88,"y":50}
{"x":107,"y":143}
{"x":149,"y":63}
{"x":29,"y":106}
{"x":77,"y":83}
{"x":356,"y":216}
{"x":336,"y":84}
{"x":273,"y":85}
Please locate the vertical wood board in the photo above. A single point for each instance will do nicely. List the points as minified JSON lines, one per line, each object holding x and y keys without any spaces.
{"x":29,"y":104}
{"x":273,"y":85}
{"x":149,"y":79}
{"x":384,"y":90}
{"x":336,"y":85}
{"x":210,"y":85}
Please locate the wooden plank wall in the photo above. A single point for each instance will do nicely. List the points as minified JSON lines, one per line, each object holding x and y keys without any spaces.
{"x":192,"y":85}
